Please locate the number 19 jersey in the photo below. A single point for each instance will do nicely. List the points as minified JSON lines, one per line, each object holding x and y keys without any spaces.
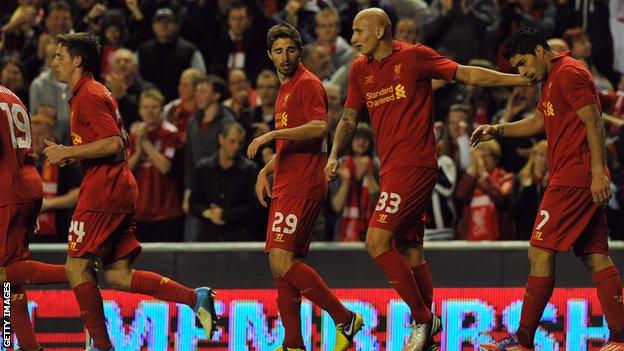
{"x":19,"y":178}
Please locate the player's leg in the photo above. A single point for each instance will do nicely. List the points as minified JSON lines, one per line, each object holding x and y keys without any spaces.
{"x":413,"y":252}
{"x":34,"y":272}
{"x":20,"y":319}
{"x":289,"y":234}
{"x":79,"y":272}
{"x":119,"y":274}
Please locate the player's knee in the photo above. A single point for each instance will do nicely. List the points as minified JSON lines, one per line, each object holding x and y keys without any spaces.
{"x":76,"y":268}
{"x":596,"y":262}
{"x":542,"y":261}
{"x":118,"y":279}
{"x":280,"y":262}
{"x":375,"y":247}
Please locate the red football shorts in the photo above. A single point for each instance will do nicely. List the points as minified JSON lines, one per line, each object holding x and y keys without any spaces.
{"x":291,"y":224}
{"x":17,"y":223}
{"x":405,"y":193}
{"x":111,"y":236}
{"x":568,"y":218}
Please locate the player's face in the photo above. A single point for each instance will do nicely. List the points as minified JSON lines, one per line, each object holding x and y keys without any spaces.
{"x":150,"y":111}
{"x":185,"y":88}
{"x":364,"y":37}
{"x":232,"y":143}
{"x":285,"y":55}
{"x":530,"y":66}
{"x":63,"y":64}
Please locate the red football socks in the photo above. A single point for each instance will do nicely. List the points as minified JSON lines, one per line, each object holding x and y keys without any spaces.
{"x":289,"y":306}
{"x":34,"y":272}
{"x":536,"y":296}
{"x":20,"y":320}
{"x":92,"y":313}
{"x":609,"y":288}
{"x":162,"y":288}
{"x":308,"y":282}
{"x":400,"y":276}
{"x":425,"y":283}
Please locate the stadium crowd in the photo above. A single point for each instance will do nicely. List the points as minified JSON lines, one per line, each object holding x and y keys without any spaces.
{"x":195,"y":86}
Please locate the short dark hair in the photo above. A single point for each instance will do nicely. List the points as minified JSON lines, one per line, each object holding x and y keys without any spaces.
{"x":85,"y":45}
{"x":523,"y":42}
{"x":232,"y":125}
{"x":59,"y":5}
{"x":284,"y":30}
{"x":236,"y":4}
{"x":218,"y":85}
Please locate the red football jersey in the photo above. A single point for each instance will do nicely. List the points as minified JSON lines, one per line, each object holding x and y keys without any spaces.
{"x":568,"y":88}
{"x":398,"y":95}
{"x":160,"y":195}
{"x":299,"y":165}
{"x":108,"y":185}
{"x":18,"y":175}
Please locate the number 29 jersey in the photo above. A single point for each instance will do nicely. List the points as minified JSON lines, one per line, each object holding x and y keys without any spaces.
{"x":19,"y":178}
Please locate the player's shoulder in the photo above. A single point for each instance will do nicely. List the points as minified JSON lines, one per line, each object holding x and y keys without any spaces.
{"x":306,"y":81}
{"x":7,"y":95}
{"x":572,"y":70}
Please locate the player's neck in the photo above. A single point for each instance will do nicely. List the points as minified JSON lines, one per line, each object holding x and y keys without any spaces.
{"x":383,"y":50}
{"x":548,"y":56}
{"x":75,"y":78}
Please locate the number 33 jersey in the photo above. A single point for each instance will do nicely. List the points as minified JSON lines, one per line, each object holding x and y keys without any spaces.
{"x":108,"y":184}
{"x":19,"y":178}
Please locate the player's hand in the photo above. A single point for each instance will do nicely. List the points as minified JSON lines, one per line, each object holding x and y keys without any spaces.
{"x":600,"y":188}
{"x":54,"y":153}
{"x":262,"y":187}
{"x":258,"y":142}
{"x":483,"y":132}
{"x":332,"y":168}
{"x":68,"y":161}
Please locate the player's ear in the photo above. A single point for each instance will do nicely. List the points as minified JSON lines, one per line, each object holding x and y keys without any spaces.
{"x":539,"y":51}
{"x":381,"y":31}
{"x":77,"y":60}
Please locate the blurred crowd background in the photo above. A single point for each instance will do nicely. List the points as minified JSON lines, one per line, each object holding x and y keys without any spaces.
{"x":194,"y":86}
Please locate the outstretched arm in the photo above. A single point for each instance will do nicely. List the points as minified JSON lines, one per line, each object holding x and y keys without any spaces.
{"x":312,"y":130}
{"x":344,"y":133}
{"x":522,"y":128}
{"x":484,"y":77}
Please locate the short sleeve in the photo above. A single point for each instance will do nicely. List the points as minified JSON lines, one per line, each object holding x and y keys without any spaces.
{"x":171,"y":145}
{"x":354,"y":92}
{"x":576,"y":87}
{"x":432,"y":65}
{"x":314,"y":101}
{"x":101,"y":117}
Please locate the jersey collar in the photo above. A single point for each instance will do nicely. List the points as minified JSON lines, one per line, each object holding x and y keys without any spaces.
{"x":396,"y":46}
{"x":81,"y":82}
{"x":560,"y":55}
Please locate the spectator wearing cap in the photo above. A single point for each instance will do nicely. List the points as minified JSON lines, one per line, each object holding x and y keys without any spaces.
{"x":223,"y":194}
{"x":241,"y":45}
{"x":154,"y":147}
{"x":163,"y":58}
{"x":45,"y":90}
{"x":60,"y":184}
{"x":353,"y":197}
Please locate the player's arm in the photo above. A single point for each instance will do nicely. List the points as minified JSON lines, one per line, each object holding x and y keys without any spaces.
{"x":618,"y":122}
{"x":262,"y":182}
{"x":62,"y":202}
{"x":344,"y":134}
{"x":312,"y":130}
{"x":522,"y":128}
{"x":104,"y":147}
{"x":160,"y":161}
{"x":594,"y":125}
{"x":484,"y":77}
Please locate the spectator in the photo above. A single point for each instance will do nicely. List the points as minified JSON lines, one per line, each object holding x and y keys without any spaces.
{"x":126,"y":84}
{"x":454,"y":142}
{"x":301,"y":14}
{"x":12,"y":77}
{"x":328,"y":36}
{"x":60,"y":184}
{"x":416,"y":10}
{"x":462,"y":28}
{"x":260,"y":120}
{"x":334,"y":109}
{"x":581,"y":49}
{"x":484,"y":191}
{"x":223,"y":192}
{"x":162,"y":59}
{"x":87,"y":15}
{"x":354,"y":196}
{"x":317,"y":60}
{"x":154,"y":144}
{"x":202,"y":137}
{"x":114,"y":33}
{"x":57,"y":21}
{"x":440,"y":217}
{"x":407,"y":31}
{"x":520,"y":104}
{"x":528,"y":187}
{"x":616,"y":19}
{"x":240,"y":45}
{"x":45,"y":90}
{"x":181,"y":110}
{"x":593,"y":16}
{"x":485,"y":102}
{"x":558,"y":44}
{"x":19,"y":27}
{"x":242,"y":95}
